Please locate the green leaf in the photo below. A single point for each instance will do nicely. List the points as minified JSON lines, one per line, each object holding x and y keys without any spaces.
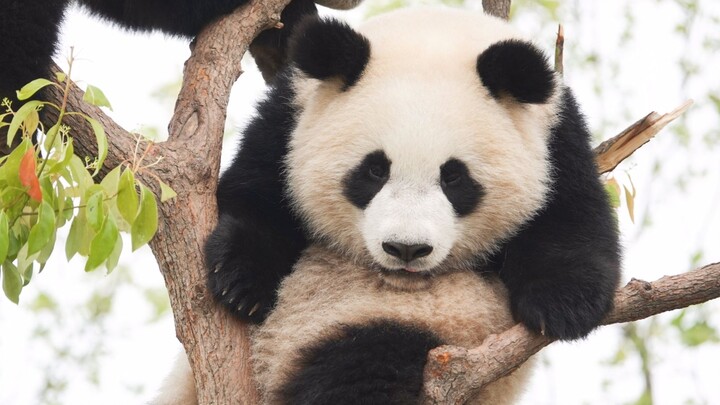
{"x":25,"y":263}
{"x":51,"y":137}
{"x":78,"y":237}
{"x":111,"y":182}
{"x":68,"y":211}
{"x":31,"y":88}
{"x":127,"y":198}
{"x":114,"y":258}
{"x":101,"y":140}
{"x":4,"y":236}
{"x":613,"y":190}
{"x":166,"y":193}
{"x":60,"y":76}
{"x":95,"y":211}
{"x":145,"y":224}
{"x":102,"y":244}
{"x":43,"y":231}
{"x":19,"y":117}
{"x":95,"y":96}
{"x":64,"y":160}
{"x":698,"y":334}
{"x":80,"y":174}
{"x":12,"y":282}
{"x":46,"y":251}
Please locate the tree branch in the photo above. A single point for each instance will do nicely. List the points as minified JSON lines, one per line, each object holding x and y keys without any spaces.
{"x":453,"y":373}
{"x":498,"y":8}
{"x":618,"y":148}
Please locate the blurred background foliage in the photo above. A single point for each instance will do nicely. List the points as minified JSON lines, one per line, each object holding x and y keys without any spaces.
{"x":85,"y":338}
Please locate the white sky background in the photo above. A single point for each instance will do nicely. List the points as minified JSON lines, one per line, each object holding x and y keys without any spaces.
{"x":129,"y":67}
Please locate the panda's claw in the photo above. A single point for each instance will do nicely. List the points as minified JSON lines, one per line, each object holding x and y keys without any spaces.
{"x":254,"y":309}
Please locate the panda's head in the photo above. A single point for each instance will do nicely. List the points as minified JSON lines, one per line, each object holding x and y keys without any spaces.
{"x":422,"y":139}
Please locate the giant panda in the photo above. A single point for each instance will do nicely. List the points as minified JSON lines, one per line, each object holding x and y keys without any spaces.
{"x":425,"y":179}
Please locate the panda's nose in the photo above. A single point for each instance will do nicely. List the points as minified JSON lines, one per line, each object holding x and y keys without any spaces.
{"x":406,"y":252}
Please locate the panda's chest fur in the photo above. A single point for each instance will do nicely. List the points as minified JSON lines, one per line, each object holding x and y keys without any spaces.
{"x":326,"y":292}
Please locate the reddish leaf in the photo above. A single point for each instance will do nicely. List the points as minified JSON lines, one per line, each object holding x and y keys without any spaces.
{"x":28,"y":177}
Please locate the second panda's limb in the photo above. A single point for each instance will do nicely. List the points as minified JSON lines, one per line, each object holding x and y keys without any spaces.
{"x":563,"y":268}
{"x":380,"y":363}
{"x":28,"y":36}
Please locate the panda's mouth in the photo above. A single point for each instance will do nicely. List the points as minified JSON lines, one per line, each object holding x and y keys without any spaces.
{"x":408,"y":271}
{"x":405,"y":278}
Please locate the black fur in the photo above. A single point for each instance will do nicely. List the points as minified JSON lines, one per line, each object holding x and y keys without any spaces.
{"x":257,"y":239}
{"x":325,"y":49}
{"x":28,"y":38}
{"x":563,"y":268}
{"x":29,"y":31}
{"x":518,"y":69}
{"x":270,"y":48}
{"x":367,"y":179}
{"x":381,"y":363}
{"x":463,"y":192}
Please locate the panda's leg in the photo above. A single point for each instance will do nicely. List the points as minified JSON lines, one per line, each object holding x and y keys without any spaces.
{"x":380,"y":363}
{"x":28,"y":37}
{"x":178,"y":17}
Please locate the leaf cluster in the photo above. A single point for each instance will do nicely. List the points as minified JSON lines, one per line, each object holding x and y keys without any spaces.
{"x":44,"y":186}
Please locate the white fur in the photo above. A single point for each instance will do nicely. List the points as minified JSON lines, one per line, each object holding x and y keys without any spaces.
{"x":410,"y":211}
{"x":421,"y":101}
{"x":178,"y":388}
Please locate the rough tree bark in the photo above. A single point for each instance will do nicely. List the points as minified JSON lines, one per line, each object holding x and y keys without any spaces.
{"x":216,"y":343}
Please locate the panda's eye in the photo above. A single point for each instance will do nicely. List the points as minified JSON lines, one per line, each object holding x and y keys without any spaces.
{"x":377,"y":172}
{"x":451,"y":179}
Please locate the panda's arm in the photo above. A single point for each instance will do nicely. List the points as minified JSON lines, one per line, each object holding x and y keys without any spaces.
{"x":563,"y":268}
{"x":257,"y":240}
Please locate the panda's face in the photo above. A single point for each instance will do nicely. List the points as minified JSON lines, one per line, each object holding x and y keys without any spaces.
{"x":417,"y":168}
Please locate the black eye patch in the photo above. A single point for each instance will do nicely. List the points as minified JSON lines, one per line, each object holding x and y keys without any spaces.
{"x":367,"y":179}
{"x":461,"y":190}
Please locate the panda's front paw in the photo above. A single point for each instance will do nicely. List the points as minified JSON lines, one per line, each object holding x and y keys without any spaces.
{"x":565,"y":315}
{"x":239,"y":288}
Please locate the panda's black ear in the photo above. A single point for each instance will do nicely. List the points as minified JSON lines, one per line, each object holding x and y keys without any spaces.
{"x":325,"y":49}
{"x":518,"y":69}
